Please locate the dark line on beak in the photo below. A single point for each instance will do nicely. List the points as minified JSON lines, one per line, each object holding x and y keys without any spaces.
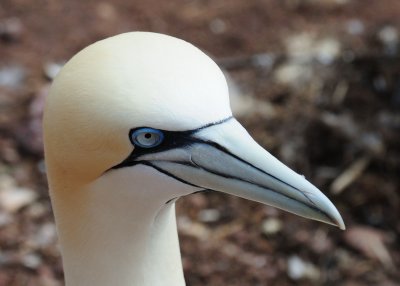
{"x":147,"y":163}
{"x":313,"y":206}
{"x":226,"y":151}
{"x":196,"y":192}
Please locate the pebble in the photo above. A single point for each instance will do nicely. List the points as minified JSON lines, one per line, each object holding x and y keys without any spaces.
{"x":389,"y":37}
{"x":271,"y":226}
{"x":31,"y":260}
{"x":209,"y":215}
{"x":217,"y":26}
{"x":305,"y":47}
{"x":298,"y":269}
{"x":52,"y":69}
{"x":327,"y":50}
{"x":293,"y":74}
{"x":13,"y":198}
{"x":12,"y":76}
{"x":188,"y":227}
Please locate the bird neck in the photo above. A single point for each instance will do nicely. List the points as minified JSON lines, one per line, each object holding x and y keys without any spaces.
{"x":113,"y":234}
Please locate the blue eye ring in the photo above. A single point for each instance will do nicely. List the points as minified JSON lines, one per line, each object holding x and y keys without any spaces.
{"x":147,"y":137}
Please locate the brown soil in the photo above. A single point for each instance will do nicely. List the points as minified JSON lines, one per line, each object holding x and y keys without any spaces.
{"x":341,"y":117}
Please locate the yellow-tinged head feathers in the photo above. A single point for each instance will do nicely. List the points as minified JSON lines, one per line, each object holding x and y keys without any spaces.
{"x":130,"y":80}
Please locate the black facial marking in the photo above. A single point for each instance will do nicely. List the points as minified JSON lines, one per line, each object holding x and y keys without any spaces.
{"x":172,"y":140}
{"x":147,"y":163}
{"x":182,"y":139}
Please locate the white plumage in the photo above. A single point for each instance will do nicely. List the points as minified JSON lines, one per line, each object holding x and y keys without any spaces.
{"x":133,"y":122}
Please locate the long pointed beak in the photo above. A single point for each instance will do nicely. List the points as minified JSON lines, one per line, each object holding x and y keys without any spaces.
{"x":224,"y":157}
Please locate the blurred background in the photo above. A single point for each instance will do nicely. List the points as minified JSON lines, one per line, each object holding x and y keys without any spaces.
{"x":316,"y":82}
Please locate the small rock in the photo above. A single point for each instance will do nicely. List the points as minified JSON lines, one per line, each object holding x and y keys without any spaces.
{"x":327,"y":50}
{"x":12,"y":76}
{"x":293,"y":74}
{"x":13,"y":199}
{"x":188,"y":227}
{"x":271,"y":226}
{"x":389,"y":37}
{"x":31,"y":260}
{"x":298,"y":269}
{"x":209,"y":215}
{"x":305,"y":47}
{"x":52,"y":69}
{"x":217,"y":26}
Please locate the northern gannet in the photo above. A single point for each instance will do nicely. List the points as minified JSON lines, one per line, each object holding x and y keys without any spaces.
{"x":132,"y":123}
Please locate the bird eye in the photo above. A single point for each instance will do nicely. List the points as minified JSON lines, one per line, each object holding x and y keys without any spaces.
{"x":147,"y":137}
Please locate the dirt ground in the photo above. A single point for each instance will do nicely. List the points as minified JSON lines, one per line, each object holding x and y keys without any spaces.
{"x":316,"y":82}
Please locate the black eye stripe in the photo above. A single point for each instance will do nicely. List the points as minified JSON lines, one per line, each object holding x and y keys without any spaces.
{"x":171,"y":140}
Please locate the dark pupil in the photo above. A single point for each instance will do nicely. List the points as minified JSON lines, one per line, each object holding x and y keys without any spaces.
{"x":147,"y":135}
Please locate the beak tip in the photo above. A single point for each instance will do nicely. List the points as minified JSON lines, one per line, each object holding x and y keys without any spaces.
{"x":340,"y":224}
{"x":336,"y":219}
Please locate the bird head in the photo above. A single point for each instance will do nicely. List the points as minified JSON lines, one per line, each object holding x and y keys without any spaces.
{"x":146,"y":101}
